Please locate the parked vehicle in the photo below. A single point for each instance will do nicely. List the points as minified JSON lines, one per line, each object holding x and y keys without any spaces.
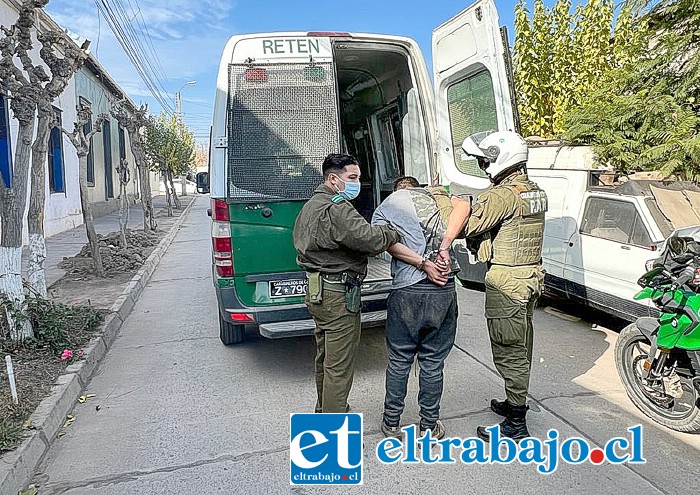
{"x":285,"y":100}
{"x":658,"y":359}
{"x":599,"y":232}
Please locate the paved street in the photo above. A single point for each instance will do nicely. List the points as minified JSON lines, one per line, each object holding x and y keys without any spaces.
{"x":177,"y":412}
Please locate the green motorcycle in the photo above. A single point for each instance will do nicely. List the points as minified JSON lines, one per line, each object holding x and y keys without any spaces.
{"x":658,"y":359}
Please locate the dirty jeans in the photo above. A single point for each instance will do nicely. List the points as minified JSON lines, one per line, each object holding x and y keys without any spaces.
{"x":421,"y":321}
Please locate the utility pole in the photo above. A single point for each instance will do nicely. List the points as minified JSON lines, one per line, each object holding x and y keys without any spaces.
{"x":178,"y":115}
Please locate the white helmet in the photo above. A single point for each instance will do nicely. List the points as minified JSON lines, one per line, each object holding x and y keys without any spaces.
{"x":496,"y":151}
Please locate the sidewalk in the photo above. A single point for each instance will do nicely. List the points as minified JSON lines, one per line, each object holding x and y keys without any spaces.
{"x":69,"y":242}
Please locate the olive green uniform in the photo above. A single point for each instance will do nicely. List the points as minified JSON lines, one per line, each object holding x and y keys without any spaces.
{"x":333,"y":243}
{"x":507,"y":221}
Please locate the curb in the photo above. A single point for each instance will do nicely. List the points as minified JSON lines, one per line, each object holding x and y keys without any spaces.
{"x":18,"y":466}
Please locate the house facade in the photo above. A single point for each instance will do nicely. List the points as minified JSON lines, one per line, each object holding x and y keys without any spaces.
{"x":91,"y":85}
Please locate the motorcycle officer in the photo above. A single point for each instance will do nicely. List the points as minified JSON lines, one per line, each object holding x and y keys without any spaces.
{"x":507,"y":225}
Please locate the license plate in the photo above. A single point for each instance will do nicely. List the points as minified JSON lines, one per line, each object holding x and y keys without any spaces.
{"x":288,"y":288}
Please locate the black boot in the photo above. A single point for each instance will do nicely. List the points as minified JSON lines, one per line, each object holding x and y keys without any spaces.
{"x":502,"y":407}
{"x":514,"y":426}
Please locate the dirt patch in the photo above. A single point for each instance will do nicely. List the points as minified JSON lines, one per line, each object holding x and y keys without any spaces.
{"x":80,"y":284}
{"x":115,"y":258}
{"x":38,"y":363}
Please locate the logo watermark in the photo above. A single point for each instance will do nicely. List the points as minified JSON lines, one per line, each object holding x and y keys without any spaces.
{"x":325,"y":449}
{"x":544,"y":454}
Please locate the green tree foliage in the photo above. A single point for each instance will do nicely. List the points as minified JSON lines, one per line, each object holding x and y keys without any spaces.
{"x":560,"y":56}
{"x":644,"y":113}
{"x":169,"y":144}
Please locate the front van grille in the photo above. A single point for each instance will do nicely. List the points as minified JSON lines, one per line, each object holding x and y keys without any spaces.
{"x":283,"y":121}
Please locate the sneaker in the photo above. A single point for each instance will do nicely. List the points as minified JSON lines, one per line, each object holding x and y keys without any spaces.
{"x":391,"y":431}
{"x":437,"y":431}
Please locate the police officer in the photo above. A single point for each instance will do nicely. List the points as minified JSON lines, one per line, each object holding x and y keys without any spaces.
{"x":507,"y":223}
{"x":333,"y":243}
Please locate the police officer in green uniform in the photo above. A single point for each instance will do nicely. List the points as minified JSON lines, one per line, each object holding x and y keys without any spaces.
{"x":333,"y":243}
{"x":507,"y":225}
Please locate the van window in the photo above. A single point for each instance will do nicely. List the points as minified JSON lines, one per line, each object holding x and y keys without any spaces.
{"x":614,"y":220}
{"x":282,"y":122}
{"x":472,"y":108}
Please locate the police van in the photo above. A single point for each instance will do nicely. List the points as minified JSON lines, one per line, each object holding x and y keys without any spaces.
{"x":286,"y":100}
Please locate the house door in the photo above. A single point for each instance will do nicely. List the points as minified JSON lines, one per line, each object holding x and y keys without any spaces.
{"x":107,"y":146}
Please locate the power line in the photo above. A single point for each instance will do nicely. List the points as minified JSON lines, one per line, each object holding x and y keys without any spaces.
{"x":143,"y":28}
{"x":152,"y":61}
{"x":130,"y":42}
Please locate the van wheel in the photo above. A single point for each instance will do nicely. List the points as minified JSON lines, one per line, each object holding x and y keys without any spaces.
{"x":229,"y":333}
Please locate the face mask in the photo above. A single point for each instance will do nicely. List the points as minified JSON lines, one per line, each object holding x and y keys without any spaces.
{"x":351,"y":191}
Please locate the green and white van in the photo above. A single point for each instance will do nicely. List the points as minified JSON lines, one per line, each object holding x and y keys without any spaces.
{"x":286,"y":100}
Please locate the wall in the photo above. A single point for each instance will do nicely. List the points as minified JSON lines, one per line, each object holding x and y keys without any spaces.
{"x":89,"y":87}
{"x":62,"y":210}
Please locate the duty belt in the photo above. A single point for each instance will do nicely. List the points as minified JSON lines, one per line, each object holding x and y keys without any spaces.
{"x":340,"y":282}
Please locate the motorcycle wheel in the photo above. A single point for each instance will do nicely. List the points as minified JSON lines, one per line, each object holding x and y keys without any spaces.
{"x":681,"y":414}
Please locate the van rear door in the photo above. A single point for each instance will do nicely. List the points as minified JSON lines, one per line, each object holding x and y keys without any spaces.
{"x":471,"y":88}
{"x":282,"y":120}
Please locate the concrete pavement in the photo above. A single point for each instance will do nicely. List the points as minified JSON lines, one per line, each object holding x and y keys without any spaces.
{"x":177,"y":412}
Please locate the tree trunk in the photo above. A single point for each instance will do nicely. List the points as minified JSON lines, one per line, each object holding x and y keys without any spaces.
{"x":37,"y":205}
{"x":123,"y":201}
{"x":88,"y":220}
{"x":168,"y":197}
{"x":149,"y":221}
{"x":13,"y":203}
{"x":176,"y":200}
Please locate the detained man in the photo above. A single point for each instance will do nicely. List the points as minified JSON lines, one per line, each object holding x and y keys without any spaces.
{"x":422,"y":304}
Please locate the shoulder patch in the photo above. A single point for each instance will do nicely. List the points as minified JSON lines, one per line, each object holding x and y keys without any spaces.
{"x":337,"y":198}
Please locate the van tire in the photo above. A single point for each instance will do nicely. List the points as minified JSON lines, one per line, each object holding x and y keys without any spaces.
{"x":229,"y":333}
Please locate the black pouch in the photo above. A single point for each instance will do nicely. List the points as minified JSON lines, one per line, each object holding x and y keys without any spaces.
{"x":353,"y":301}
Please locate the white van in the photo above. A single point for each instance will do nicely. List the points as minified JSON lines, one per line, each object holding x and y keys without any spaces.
{"x":600,"y":233}
{"x":286,"y":100}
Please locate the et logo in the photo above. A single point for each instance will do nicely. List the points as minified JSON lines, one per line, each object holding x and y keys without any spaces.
{"x":325,"y":449}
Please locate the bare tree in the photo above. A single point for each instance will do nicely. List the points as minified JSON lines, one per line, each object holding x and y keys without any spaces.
{"x":133,"y":120}
{"x":62,"y":70}
{"x":81,"y":142}
{"x":22,"y":85}
{"x":124,"y":176}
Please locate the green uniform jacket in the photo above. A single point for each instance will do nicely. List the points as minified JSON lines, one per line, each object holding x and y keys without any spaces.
{"x":491,"y":209}
{"x":330,"y":236}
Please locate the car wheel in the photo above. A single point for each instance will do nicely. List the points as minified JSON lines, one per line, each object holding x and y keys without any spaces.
{"x":229,"y":333}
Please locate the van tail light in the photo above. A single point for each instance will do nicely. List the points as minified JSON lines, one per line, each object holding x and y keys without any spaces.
{"x":255,"y":74}
{"x":219,"y":209}
{"x":221,"y":239}
{"x":241,"y":317}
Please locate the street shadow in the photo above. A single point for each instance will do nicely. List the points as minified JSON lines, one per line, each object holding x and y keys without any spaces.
{"x":295,"y":356}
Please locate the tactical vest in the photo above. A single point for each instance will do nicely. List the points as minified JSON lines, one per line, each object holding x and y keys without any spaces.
{"x":518,"y":241}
